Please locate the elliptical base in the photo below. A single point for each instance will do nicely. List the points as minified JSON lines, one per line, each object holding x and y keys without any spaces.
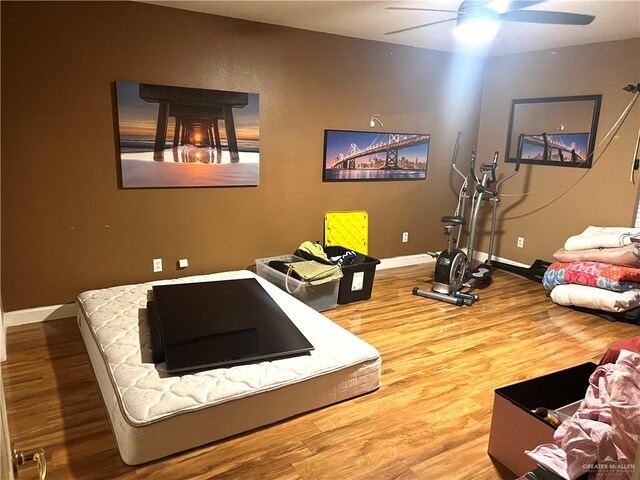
{"x":438,"y":296}
{"x":535,"y":272}
{"x":456,"y":298}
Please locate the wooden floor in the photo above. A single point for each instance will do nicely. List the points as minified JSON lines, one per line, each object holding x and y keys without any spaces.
{"x":430,"y":418}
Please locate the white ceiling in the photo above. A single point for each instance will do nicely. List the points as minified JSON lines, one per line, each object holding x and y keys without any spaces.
{"x":615,"y":20}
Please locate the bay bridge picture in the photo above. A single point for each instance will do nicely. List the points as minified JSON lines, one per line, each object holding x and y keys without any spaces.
{"x":565,"y":148}
{"x":374,"y":156}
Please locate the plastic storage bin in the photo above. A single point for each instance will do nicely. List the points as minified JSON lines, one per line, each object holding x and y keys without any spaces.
{"x":319,"y":297}
{"x":514,"y":426}
{"x":357,"y":281}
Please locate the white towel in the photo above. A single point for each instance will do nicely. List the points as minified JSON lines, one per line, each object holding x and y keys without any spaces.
{"x":602,"y":237}
{"x":594,"y":297}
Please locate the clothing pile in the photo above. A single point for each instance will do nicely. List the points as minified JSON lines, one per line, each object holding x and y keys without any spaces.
{"x":320,"y":265}
{"x":329,"y":255}
{"x":601,"y":438}
{"x":598,"y":270}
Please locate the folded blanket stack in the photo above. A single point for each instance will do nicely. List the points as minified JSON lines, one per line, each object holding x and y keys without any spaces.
{"x":598,"y":269}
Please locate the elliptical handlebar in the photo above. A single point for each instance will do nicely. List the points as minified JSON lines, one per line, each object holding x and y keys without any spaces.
{"x":455,"y":157}
{"x":472,"y":167}
{"x":517,"y":167}
{"x":494,"y":166}
{"x":455,"y":148}
{"x":519,"y":154}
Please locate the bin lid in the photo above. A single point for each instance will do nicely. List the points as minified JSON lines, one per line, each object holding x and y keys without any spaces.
{"x":347,"y":229}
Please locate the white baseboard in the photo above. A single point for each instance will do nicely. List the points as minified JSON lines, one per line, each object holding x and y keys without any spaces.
{"x":482,"y":256}
{"x":423,"y":258}
{"x":39,"y":314}
{"x":405,"y":261}
{"x":53,"y":312}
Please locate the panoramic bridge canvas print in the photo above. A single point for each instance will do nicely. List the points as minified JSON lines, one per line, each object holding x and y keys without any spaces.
{"x":373,"y":156}
{"x":568,"y":149}
{"x":187,"y":137}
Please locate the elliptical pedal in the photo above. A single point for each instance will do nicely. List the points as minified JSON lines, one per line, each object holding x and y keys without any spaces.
{"x":482,"y":272}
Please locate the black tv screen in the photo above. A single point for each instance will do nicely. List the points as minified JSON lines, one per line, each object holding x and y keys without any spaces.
{"x":197,"y":326}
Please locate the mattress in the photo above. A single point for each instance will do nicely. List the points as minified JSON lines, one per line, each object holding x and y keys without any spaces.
{"x":154,"y":414}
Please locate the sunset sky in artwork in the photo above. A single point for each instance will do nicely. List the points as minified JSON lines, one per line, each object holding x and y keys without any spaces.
{"x":138,"y":117}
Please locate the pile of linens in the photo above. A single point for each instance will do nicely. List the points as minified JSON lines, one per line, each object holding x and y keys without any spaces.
{"x":598,"y":270}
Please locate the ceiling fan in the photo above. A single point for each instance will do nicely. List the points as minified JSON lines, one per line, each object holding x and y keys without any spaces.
{"x":480,"y":10}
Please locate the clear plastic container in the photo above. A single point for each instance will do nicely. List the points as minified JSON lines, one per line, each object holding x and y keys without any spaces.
{"x":319,"y":297}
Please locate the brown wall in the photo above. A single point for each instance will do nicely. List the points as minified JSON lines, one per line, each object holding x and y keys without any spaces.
{"x":601,"y":196}
{"x":66,"y":227}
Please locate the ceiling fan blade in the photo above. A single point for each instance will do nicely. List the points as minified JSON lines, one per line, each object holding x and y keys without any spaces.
{"x":462,"y":10}
{"x":418,"y":9}
{"x":557,"y":18}
{"x":520,"y":4}
{"x":421,"y":26}
{"x":513,"y":5}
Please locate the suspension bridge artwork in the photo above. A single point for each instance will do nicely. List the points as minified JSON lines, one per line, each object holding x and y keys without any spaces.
{"x":565,"y":148}
{"x":374,"y":156}
{"x":187,"y":137}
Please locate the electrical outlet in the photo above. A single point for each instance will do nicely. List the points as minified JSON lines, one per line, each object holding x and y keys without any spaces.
{"x":157,"y":265}
{"x":520,"y":243}
{"x":405,"y":237}
{"x":183,"y":263}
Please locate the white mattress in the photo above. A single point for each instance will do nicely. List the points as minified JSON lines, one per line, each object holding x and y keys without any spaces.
{"x":154,"y":414}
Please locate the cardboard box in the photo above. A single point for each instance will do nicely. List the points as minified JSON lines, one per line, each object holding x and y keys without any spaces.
{"x":514,"y":426}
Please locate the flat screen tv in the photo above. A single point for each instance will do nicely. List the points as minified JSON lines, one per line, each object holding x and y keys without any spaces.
{"x":196,"y":326}
{"x":351,"y":156}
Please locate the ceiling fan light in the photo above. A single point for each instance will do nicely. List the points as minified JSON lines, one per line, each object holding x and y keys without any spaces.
{"x":476,"y":30}
{"x":499,"y":6}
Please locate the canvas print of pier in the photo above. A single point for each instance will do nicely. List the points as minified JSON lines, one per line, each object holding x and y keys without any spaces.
{"x":187,"y":137}
{"x":565,"y":148}
{"x":374,"y":156}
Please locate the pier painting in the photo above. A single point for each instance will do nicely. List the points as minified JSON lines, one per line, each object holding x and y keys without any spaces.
{"x":374,"y":156}
{"x":187,"y":137}
{"x":564,"y":148}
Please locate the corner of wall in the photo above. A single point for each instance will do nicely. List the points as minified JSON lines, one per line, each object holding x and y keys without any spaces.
{"x":3,"y":336}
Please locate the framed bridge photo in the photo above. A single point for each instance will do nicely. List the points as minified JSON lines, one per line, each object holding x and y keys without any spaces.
{"x":351,"y":156}
{"x":560,"y":148}
{"x":558,"y":131}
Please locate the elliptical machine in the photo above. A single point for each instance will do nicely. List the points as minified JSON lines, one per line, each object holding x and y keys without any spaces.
{"x":453,"y":270}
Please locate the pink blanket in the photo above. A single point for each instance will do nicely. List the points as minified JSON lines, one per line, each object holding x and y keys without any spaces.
{"x":628,"y":256}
